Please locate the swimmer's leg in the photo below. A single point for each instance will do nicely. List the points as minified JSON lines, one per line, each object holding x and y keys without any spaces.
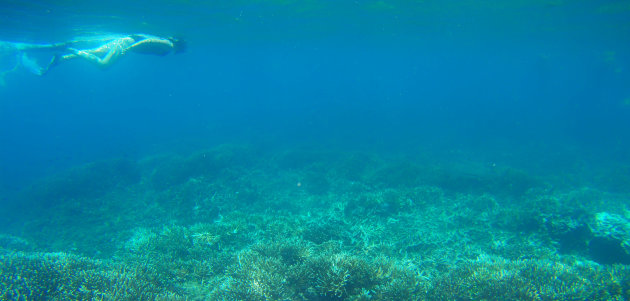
{"x":89,"y":55}
{"x":31,"y":65}
{"x":56,"y":60}
{"x":103,"y":62}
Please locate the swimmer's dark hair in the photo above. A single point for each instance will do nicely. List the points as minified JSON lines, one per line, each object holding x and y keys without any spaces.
{"x":179,"y":44}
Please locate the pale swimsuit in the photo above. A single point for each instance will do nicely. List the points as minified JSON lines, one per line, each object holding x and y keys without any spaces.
{"x":108,"y":53}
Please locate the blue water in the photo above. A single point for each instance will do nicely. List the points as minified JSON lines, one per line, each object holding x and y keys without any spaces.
{"x":539,"y":86}
{"x":366,"y":73}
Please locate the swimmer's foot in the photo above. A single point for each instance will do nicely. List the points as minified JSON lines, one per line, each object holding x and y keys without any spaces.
{"x":53,"y":62}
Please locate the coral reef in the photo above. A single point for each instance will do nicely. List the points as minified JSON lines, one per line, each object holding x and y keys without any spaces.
{"x":61,"y":276}
{"x":495,"y":278}
{"x":231,"y":223}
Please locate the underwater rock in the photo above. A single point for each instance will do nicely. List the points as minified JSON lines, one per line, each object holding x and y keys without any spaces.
{"x":611,"y":243}
{"x":14,"y":243}
{"x":570,"y":232}
{"x":209,"y":164}
{"x":398,"y":176}
{"x":316,"y":183}
{"x":86,"y":181}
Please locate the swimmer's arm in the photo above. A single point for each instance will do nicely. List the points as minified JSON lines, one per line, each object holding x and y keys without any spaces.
{"x":26,"y":46}
{"x":141,"y":36}
{"x":99,"y":50}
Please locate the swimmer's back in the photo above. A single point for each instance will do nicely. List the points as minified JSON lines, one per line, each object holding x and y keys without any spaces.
{"x":153,"y":45}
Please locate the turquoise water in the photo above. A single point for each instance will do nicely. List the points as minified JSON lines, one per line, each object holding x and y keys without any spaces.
{"x":318,"y":150}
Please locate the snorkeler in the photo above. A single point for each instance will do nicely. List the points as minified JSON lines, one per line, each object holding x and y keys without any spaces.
{"x":105,"y":55}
